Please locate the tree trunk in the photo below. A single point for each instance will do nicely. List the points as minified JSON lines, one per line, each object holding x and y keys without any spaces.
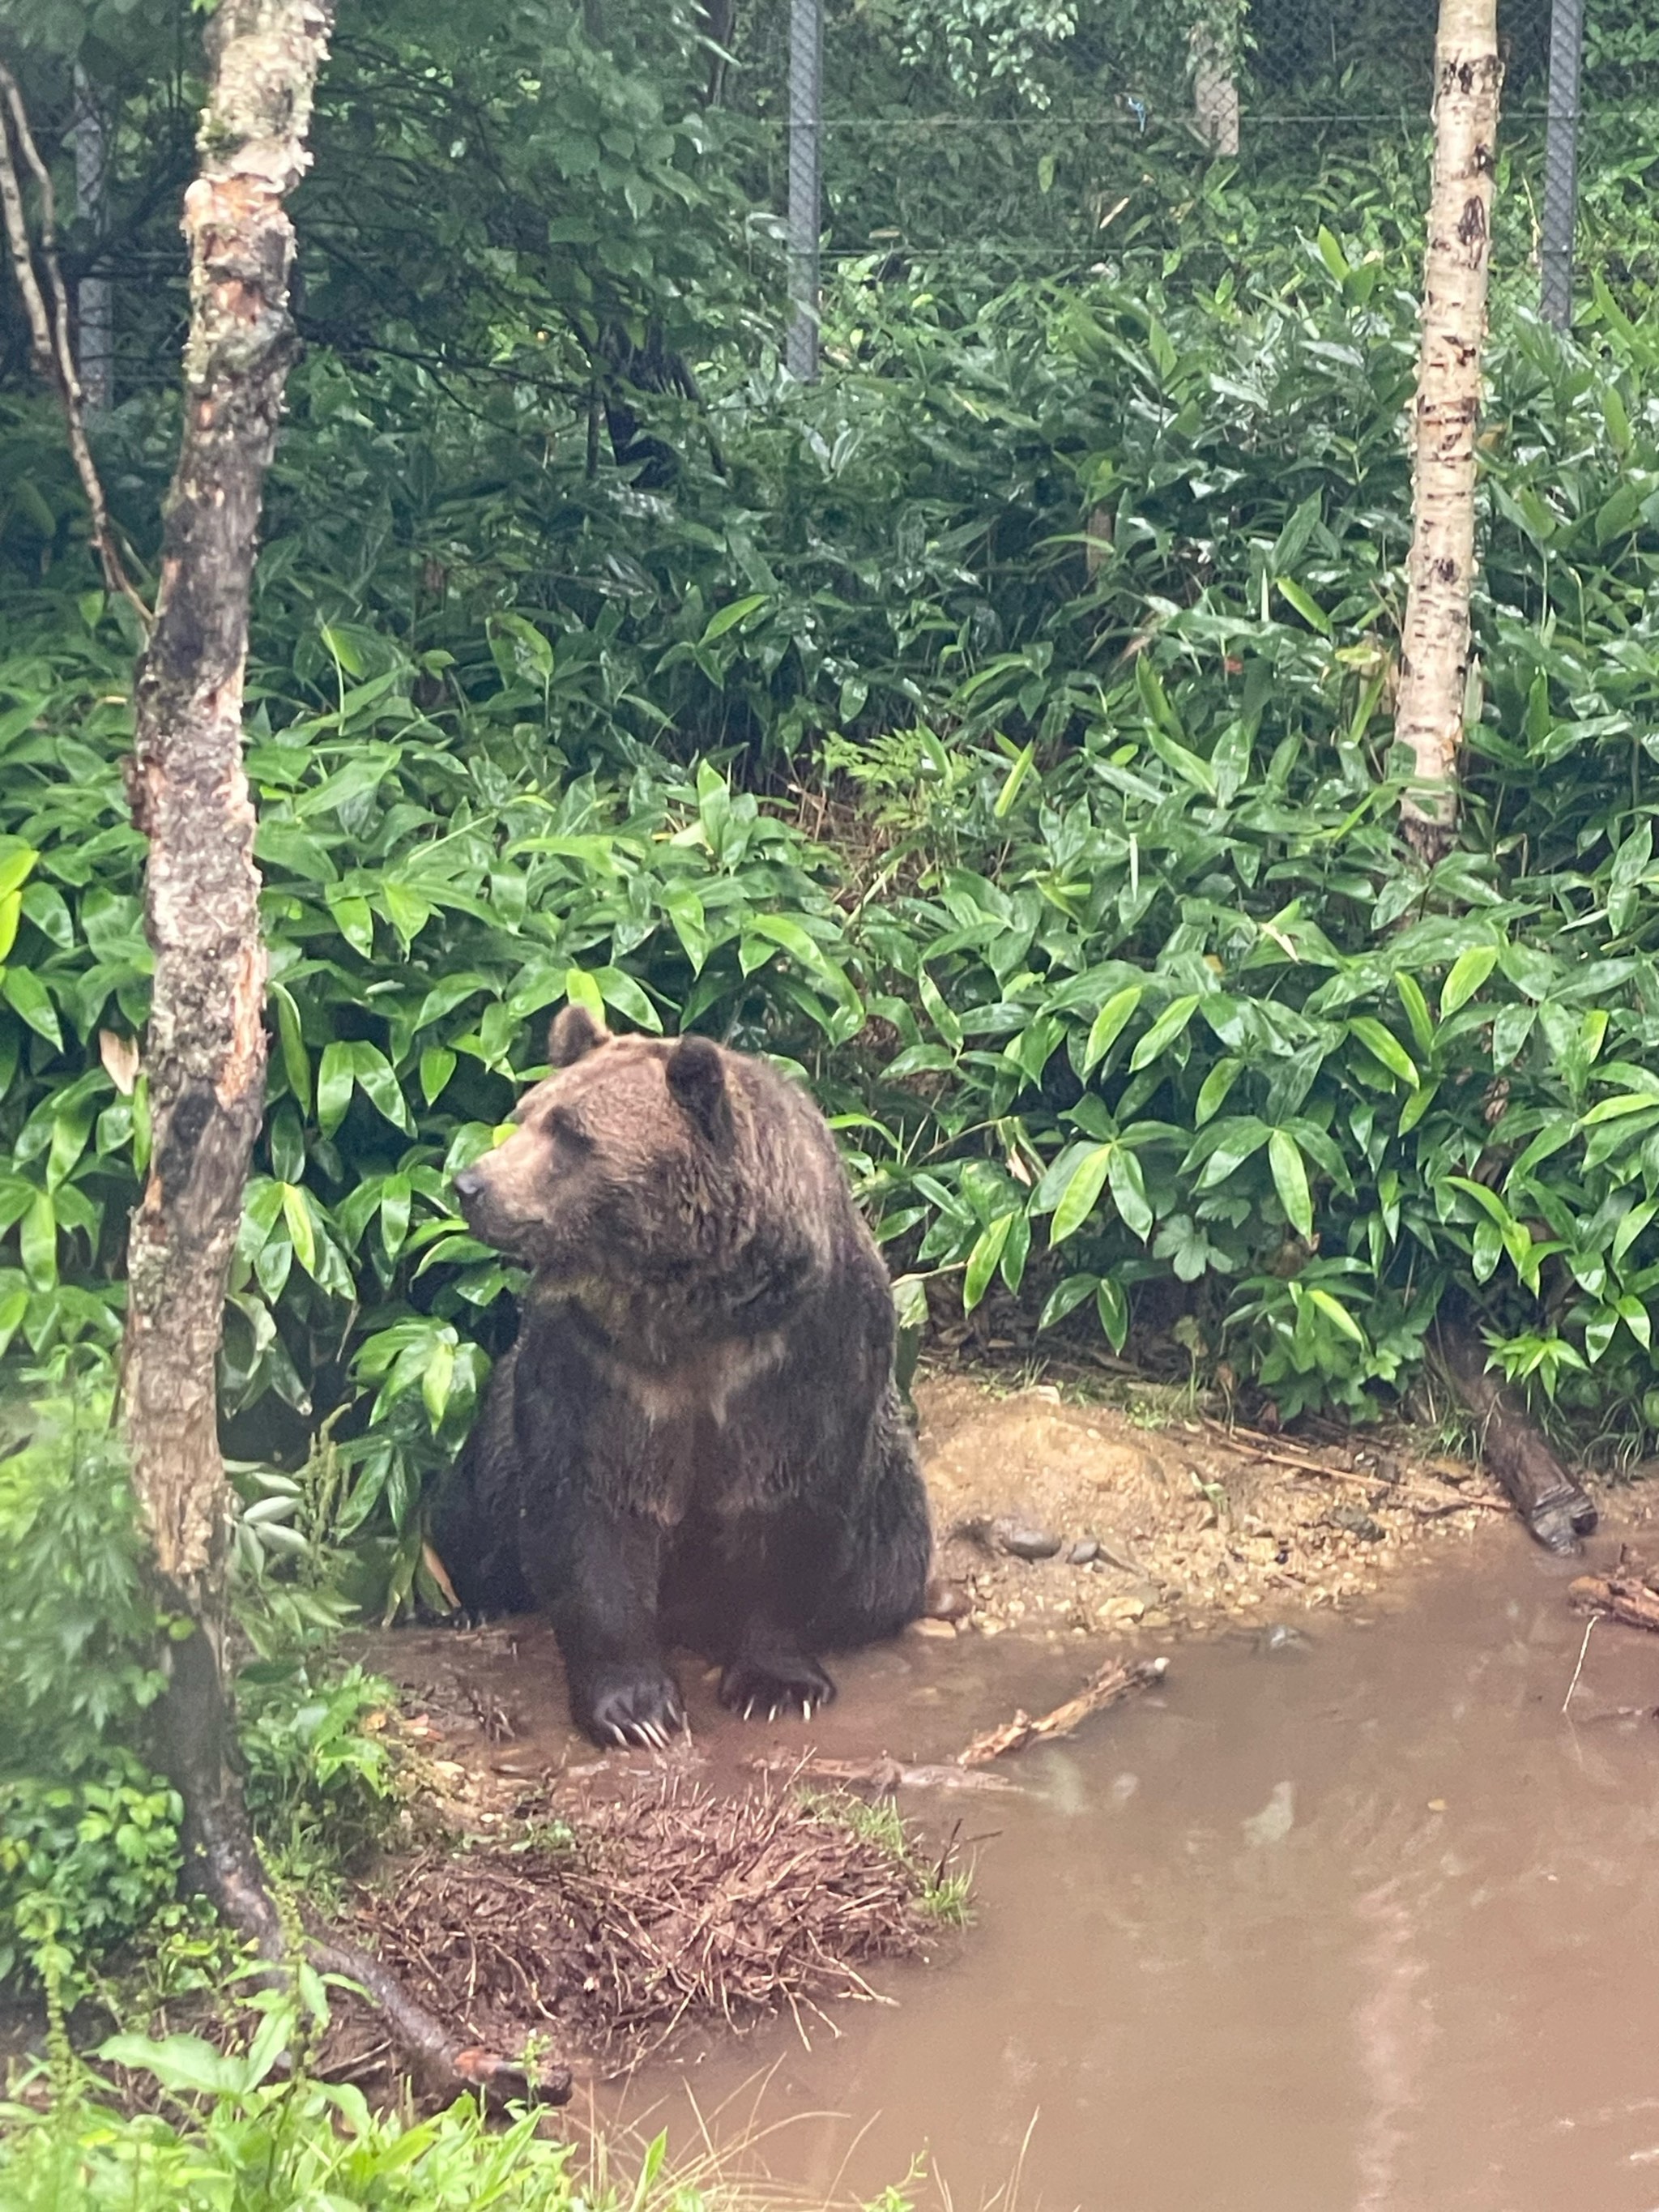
{"x":1215,"y":92}
{"x":1434,"y":658}
{"x":205,"y":1052}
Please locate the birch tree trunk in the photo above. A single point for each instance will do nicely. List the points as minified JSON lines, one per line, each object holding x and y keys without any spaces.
{"x":1434,"y":659}
{"x":205,"y":1051}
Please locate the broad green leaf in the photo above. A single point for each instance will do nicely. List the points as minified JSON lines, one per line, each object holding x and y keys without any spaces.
{"x":1109,"y":1024}
{"x":1305,"y":604}
{"x":1631,"y":1227}
{"x":297,"y":1060}
{"x":1016,"y":776}
{"x":1417,"y":1009}
{"x":1489,"y":1202}
{"x":1382,"y":1045}
{"x":436,"y":1377}
{"x":1065,"y":1297}
{"x":437,"y":1066}
{"x":623,"y":993}
{"x":1113,"y":1308}
{"x":27,"y":995}
{"x":1128,"y":1188}
{"x":728,"y":617}
{"x":1081,"y":1194}
{"x":1291,"y":1182}
{"x":684,"y":910}
{"x":1230,"y":1144}
{"x":580,"y":990}
{"x":183,"y":2064}
{"x":37,"y":1240}
{"x":1163,"y":1032}
{"x":1614,"y":1110}
{"x":354,"y":920}
{"x":1212,"y":1093}
{"x":1416,"y":1106}
{"x":983,"y":1261}
{"x":1468,"y":972}
{"x":17,"y":864}
{"x":334,"y":1080}
{"x":380,"y":1087}
{"x":1334,"y":1311}
{"x":302,"y":1228}
{"x":938,"y":1012}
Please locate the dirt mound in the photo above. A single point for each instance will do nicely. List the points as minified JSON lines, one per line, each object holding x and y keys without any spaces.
{"x":1057,"y":1514}
{"x":674,"y":1908}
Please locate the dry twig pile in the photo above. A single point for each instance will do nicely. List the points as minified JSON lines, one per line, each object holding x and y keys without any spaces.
{"x":675,"y":1909}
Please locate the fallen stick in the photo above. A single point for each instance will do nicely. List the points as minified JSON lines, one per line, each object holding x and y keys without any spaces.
{"x":1259,"y":1447}
{"x":1625,"y":1597}
{"x":1107,"y":1687}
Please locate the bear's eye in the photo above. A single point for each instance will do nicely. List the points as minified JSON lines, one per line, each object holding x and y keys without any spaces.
{"x":567,"y":1132}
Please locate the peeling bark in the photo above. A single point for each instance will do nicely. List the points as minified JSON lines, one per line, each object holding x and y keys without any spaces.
{"x":205,"y":1051}
{"x":1434,"y":656}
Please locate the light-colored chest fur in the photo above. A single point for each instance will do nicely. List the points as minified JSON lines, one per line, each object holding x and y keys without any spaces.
{"x":705,"y":1384}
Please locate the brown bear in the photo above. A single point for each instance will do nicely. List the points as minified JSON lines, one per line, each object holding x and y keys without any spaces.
{"x":696,"y":1437}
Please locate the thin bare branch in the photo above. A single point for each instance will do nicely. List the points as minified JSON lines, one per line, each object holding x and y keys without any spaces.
{"x":49,"y":331}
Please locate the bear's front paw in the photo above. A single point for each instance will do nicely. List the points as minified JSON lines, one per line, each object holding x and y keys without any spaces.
{"x":776,"y":1684}
{"x":626,"y":1710}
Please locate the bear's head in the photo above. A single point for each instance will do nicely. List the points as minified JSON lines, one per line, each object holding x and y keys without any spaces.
{"x":620,"y":1170}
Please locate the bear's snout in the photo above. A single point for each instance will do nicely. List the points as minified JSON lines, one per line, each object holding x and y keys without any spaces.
{"x":469,"y":1184}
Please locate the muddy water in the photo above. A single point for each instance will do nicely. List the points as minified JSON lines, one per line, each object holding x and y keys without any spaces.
{"x":1358,"y":1923}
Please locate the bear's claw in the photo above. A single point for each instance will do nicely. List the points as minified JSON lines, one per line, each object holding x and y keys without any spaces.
{"x":640,"y":1713}
{"x":775,"y":1686}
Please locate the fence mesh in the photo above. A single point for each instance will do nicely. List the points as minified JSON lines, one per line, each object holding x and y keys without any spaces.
{"x":1104,"y":144}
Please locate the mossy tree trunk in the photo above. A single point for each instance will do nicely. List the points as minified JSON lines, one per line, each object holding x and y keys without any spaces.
{"x":1434,"y":660}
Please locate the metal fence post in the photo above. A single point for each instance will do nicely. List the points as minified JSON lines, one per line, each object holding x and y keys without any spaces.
{"x":805,"y":184}
{"x":94,"y":300}
{"x":1561,"y":159}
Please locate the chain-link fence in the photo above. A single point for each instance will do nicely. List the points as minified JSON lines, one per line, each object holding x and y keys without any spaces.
{"x":1101,"y":137}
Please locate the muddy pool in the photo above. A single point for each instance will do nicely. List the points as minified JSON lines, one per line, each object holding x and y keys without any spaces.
{"x":1353,"y":1917}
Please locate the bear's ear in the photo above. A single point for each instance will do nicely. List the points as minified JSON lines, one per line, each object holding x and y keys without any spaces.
{"x":696,"y":1081}
{"x":573,"y":1034}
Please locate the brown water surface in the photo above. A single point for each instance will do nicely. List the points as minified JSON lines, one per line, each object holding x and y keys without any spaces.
{"x":1360,"y":1924}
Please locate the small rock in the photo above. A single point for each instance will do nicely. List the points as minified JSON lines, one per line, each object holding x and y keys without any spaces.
{"x":1081,"y":1554}
{"x":1357,"y":1524}
{"x":1021,"y":1542}
{"x":930,"y":1625}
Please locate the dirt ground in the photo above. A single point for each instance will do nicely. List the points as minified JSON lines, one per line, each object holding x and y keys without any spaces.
{"x":1052,"y":1512}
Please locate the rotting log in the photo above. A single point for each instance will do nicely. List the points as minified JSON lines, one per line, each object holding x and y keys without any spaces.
{"x":1434,"y":648}
{"x":205,"y":1053}
{"x":1551,"y":1502}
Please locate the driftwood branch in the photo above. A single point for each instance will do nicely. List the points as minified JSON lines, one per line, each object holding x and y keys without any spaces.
{"x":49,"y":331}
{"x":1109,"y":1687}
{"x":1553,"y":1505}
{"x":1623,"y":1596}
